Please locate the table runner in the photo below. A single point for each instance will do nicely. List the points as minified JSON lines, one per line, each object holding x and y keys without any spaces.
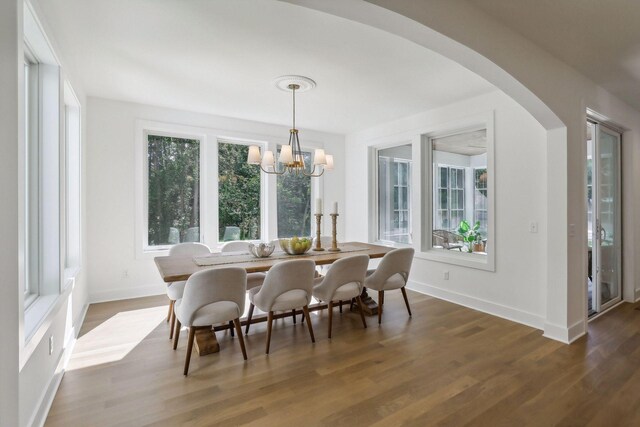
{"x":240,"y":257}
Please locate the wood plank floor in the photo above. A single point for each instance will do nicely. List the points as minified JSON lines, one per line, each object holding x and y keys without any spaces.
{"x":448,"y":365}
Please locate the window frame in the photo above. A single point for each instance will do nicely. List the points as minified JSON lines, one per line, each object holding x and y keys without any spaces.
{"x":374,"y":225}
{"x":426,"y":249}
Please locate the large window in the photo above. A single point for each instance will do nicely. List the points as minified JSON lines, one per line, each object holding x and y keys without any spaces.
{"x":294,"y":203}
{"x":173,"y":190}
{"x":238,"y":194}
{"x":394,"y":194}
{"x":450,"y":196}
{"x":460,"y":192}
{"x":73,"y":168}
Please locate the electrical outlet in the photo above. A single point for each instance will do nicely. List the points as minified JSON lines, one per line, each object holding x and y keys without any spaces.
{"x":50,"y":345}
{"x":125,"y":274}
{"x":445,"y":275}
{"x":572,"y":230}
{"x":533,"y":227}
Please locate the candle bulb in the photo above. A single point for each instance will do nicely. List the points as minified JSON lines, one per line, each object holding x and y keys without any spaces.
{"x":318,"y":205}
{"x":335,"y":208}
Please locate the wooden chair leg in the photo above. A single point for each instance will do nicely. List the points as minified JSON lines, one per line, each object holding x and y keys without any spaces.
{"x":246,"y":330}
{"x":294,"y":315}
{"x":406,"y":300}
{"x":380,"y":303}
{"x":231,"y":331}
{"x":302,"y":317}
{"x":236,"y":323}
{"x":351,"y":305}
{"x":269,"y":325}
{"x":330,"y":317}
{"x":305,"y":309}
{"x":340,"y":302}
{"x":173,"y":322}
{"x":170,"y":310}
{"x":360,"y":304}
{"x":177,"y":334}
{"x":192,"y":335}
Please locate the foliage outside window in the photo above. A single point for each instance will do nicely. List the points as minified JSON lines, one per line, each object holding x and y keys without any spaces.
{"x":173,"y":190}
{"x":394,"y":194}
{"x":238,"y":194}
{"x":294,"y":203}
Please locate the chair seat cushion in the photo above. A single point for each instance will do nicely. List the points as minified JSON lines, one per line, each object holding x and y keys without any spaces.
{"x":255,"y":280}
{"x":210,"y":314}
{"x":175,"y":290}
{"x":295,"y":298}
{"x":394,"y":282}
{"x":344,"y":292}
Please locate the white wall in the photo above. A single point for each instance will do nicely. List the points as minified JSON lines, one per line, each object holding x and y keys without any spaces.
{"x":516,"y":289}
{"x":111,"y":167}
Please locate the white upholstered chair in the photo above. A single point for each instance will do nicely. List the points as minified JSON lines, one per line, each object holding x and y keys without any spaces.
{"x":288,"y":286}
{"x":210,"y":297}
{"x":254,"y":280}
{"x":392,"y":273}
{"x":176,"y":289}
{"x":343,"y":282}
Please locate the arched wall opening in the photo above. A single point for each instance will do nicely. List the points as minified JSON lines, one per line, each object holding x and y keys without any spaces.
{"x":499,"y":56}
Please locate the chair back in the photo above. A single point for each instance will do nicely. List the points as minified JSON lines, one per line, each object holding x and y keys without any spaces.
{"x":235,"y":246}
{"x":398,"y":261}
{"x":286,"y":276}
{"x":208,"y":286}
{"x":189,"y":249}
{"x":343,"y":271}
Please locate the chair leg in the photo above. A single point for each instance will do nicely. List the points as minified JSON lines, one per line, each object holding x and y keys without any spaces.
{"x":231,"y":328}
{"x":351,"y":305}
{"x":192,"y":335}
{"x":340,"y":302}
{"x":172,"y":319}
{"x":330,"y":317}
{"x":236,"y":323}
{"x":406,"y":300}
{"x":380,"y":304}
{"x":269,"y":326}
{"x":177,"y":334}
{"x":305,"y":309}
{"x":170,"y":310}
{"x":246,"y":330}
{"x":294,"y":315}
{"x":360,"y":303}
{"x":302,"y":317}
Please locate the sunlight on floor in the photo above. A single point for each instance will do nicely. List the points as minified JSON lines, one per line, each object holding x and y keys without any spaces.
{"x":114,"y":338}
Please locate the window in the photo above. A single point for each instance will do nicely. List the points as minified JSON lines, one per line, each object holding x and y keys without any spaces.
{"x":294,"y":203}
{"x":173,"y":166}
{"x":480,"y":202}
{"x":32,"y":181}
{"x":73,"y":177}
{"x":394,"y":194}
{"x":460,"y":191}
{"x":238,"y":194}
{"x":449,"y":201}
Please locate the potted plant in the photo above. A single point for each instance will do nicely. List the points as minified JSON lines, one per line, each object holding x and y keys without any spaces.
{"x":471,"y":236}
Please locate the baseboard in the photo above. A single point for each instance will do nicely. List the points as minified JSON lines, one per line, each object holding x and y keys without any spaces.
{"x":563,"y":334}
{"x":484,"y":306}
{"x":127,"y":293}
{"x":46,"y":400}
{"x":637,"y":295}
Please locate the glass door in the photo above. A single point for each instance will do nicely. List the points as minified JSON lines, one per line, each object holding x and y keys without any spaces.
{"x":605,"y":216}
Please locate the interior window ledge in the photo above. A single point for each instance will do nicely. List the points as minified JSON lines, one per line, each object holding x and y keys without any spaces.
{"x":482,"y":262}
{"x":37,"y":319}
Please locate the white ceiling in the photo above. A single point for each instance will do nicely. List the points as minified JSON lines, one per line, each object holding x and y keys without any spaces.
{"x":221,"y":56}
{"x":599,"y":38}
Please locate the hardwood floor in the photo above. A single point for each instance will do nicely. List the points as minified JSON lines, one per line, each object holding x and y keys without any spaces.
{"x":448,"y":365}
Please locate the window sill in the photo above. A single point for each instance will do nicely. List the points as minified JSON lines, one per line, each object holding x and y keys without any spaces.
{"x":464,"y":259}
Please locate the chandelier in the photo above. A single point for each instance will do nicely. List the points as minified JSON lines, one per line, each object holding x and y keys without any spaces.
{"x":291,"y":157}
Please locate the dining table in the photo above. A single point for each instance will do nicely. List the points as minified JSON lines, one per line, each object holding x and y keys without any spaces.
{"x":179,"y":268}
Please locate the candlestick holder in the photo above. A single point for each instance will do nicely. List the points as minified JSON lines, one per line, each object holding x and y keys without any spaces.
{"x":334,"y":240}
{"x":318,"y":238}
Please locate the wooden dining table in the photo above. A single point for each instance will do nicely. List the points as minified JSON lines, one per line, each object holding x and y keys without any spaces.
{"x":178,"y":268}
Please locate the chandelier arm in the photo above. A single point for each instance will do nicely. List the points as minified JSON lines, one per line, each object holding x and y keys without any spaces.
{"x":273,"y":172}
{"x":311,"y":174}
